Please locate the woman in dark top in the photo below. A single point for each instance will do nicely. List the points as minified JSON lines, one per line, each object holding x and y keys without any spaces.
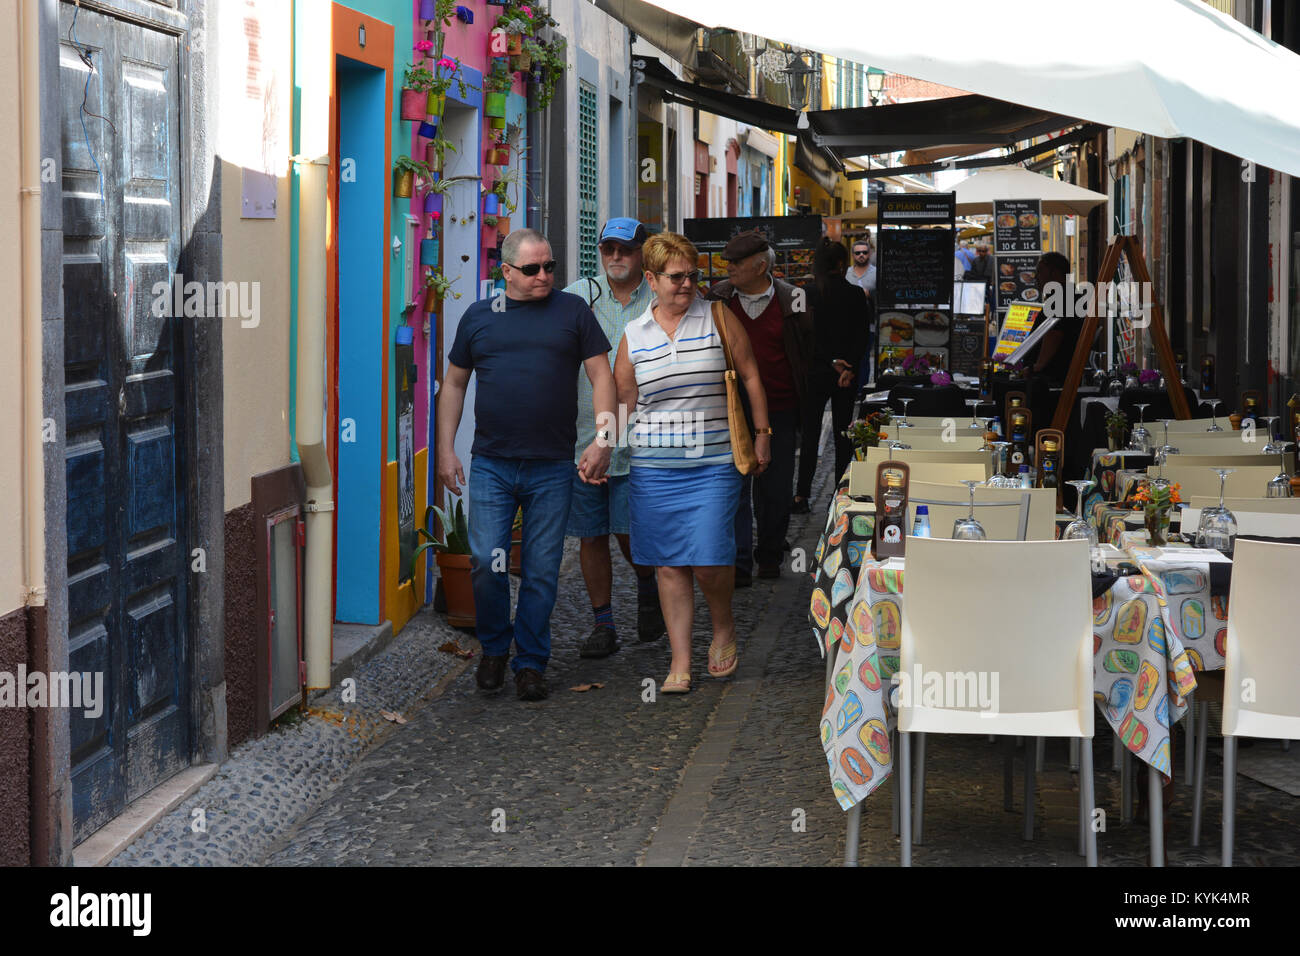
{"x":841,"y":334}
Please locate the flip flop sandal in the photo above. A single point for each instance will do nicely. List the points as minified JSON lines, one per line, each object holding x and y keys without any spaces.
{"x":676,"y":684}
{"x":719,"y":658}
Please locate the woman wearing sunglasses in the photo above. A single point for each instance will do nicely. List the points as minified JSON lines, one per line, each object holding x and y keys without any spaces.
{"x":683,"y":486}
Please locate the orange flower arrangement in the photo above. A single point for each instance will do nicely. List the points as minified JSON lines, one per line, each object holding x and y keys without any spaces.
{"x":1164,"y":497}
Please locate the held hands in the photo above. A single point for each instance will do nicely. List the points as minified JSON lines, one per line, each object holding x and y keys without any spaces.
{"x":763,"y":451}
{"x":450,"y":472}
{"x":846,"y":378}
{"x":594,"y":463}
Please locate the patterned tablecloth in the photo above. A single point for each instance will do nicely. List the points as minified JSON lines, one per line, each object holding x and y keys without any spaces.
{"x":1142,"y":669}
{"x":1106,"y":470}
{"x":844,"y":544}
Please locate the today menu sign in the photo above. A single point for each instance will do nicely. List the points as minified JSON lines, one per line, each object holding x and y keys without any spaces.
{"x":1017,"y":226}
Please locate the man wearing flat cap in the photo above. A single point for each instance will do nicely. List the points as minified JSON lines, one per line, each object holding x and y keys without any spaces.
{"x":779,"y":323}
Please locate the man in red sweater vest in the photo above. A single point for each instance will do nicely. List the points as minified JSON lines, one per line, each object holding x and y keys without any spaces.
{"x":779,"y":322}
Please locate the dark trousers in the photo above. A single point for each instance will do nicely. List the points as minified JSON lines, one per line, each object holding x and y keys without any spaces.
{"x":822,"y":389}
{"x":770,"y":494}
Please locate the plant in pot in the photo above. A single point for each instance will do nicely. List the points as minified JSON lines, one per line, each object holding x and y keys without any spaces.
{"x":489,"y":229}
{"x":515,"y":23}
{"x":496,"y":84}
{"x":435,"y":154}
{"x":437,"y":286}
{"x":1157,"y":497}
{"x":546,"y":52}
{"x":453,"y":556}
{"x":405,"y":170}
{"x":416,"y":84}
{"x":1116,"y":429}
{"x":491,"y":202}
{"x":498,"y":278}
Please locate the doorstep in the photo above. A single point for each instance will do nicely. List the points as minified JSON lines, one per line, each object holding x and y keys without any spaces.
{"x":117,"y":834}
{"x":354,"y":644}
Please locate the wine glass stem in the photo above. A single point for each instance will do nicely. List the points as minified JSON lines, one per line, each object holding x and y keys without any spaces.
{"x":1223,"y":479}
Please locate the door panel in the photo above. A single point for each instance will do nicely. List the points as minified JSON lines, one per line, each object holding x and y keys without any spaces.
{"x":125,"y":465}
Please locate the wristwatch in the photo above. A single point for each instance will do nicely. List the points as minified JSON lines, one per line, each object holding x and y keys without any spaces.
{"x":603,"y":435}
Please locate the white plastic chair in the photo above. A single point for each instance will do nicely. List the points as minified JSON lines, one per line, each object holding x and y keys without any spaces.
{"x":862,"y":474}
{"x":1041,"y":654}
{"x":1262,"y":523}
{"x":1199,"y":480}
{"x":1003,"y":512}
{"x":1262,"y":661}
{"x":1276,"y":506}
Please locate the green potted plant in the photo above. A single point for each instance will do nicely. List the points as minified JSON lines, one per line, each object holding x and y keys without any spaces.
{"x":498,"y":278}
{"x":546,"y":54}
{"x":435,"y":154}
{"x":405,"y":169}
{"x":416,"y":84}
{"x":453,"y":557}
{"x":438,"y":285}
{"x":1116,"y":429}
{"x":496,"y":84}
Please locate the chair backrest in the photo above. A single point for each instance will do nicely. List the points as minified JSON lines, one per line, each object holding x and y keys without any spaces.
{"x":1211,"y":452}
{"x":1262,"y":653}
{"x":1261,"y":523}
{"x":920,"y":455}
{"x":1021,"y":514}
{"x":938,"y":439}
{"x":930,"y":421}
{"x":1032,"y":656}
{"x":1276,"y":506}
{"x":1189,"y":425}
{"x":862,"y":474}
{"x":1200,"y":480}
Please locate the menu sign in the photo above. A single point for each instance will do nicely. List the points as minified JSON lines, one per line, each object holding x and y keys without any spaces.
{"x":1015,"y":279}
{"x":1019,"y":323}
{"x":916,"y":209}
{"x":966,"y":347}
{"x":915,"y":268}
{"x":1017,"y":226}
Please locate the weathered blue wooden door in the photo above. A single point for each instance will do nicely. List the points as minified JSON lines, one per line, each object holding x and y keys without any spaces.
{"x":127,"y":557}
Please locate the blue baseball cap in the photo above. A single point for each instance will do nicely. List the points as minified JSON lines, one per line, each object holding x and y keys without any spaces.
{"x":624,"y":229}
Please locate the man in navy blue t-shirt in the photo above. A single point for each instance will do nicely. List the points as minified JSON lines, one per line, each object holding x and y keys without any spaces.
{"x":525,"y":346}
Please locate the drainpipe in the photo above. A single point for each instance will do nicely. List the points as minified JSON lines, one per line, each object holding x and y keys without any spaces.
{"x":33,"y":376}
{"x":314,"y":64}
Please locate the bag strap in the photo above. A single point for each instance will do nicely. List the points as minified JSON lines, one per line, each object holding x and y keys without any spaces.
{"x":720,"y":323}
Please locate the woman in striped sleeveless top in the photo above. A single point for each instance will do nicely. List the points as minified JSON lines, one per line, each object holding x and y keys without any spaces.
{"x":683,"y":487}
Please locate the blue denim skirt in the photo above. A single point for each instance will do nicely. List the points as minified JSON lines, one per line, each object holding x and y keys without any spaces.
{"x":684,"y":516}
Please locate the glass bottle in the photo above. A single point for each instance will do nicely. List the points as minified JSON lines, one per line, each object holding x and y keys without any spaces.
{"x":1019,"y":439}
{"x":893,"y":520}
{"x":1050,"y":465}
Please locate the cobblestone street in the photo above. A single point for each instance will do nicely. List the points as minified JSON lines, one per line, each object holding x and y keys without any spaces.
{"x":730,"y":774}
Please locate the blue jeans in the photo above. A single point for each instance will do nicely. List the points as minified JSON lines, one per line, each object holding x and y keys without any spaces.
{"x":497,"y":488}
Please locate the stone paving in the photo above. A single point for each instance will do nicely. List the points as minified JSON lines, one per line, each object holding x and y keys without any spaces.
{"x":730,"y":774}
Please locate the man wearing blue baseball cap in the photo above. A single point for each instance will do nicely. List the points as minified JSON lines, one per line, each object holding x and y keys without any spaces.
{"x":617,"y":296}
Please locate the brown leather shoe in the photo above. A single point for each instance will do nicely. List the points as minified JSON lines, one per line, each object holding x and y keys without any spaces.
{"x":491,"y":672}
{"x":530,"y":684}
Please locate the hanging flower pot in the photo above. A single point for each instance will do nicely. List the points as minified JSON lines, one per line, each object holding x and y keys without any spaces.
{"x":428,"y":252}
{"x":404,"y":335}
{"x":434,"y":103}
{"x":497,"y":122}
{"x":521,"y":63}
{"x":428,"y":130}
{"x":432,"y":202}
{"x":503,"y":225}
{"x":491,"y":202}
{"x":403,"y":183}
{"x":515,"y":44}
{"x":498,"y":156}
{"x":413,"y":104}
{"x":428,"y":9}
{"x":490,"y":230}
{"x":433,"y":158}
{"x":494,"y":104}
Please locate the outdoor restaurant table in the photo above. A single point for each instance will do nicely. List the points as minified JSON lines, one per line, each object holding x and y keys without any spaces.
{"x":1151,"y":631}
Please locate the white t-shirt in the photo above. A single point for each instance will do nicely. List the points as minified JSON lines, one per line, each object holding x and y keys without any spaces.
{"x":866,"y":281}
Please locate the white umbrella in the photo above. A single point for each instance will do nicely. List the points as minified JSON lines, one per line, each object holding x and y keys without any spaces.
{"x":975,"y":193}
{"x":1166,"y":67}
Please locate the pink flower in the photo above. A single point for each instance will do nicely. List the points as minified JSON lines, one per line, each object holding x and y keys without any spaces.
{"x":424,"y":45}
{"x":435,"y":215}
{"x":446,"y":64}
{"x":526,"y":11}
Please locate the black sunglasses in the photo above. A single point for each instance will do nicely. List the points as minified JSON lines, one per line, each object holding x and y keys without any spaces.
{"x":609,"y":248}
{"x":533,"y":268}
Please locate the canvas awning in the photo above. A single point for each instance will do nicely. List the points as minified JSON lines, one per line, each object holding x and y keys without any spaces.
{"x":1170,"y":68}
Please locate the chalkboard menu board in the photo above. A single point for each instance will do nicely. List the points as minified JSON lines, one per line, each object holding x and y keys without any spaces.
{"x":966,"y":347}
{"x":916,"y":209}
{"x":1015,"y":279}
{"x":915,"y":268}
{"x":1017,"y":225}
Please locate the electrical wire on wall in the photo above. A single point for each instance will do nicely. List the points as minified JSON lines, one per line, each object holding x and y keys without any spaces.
{"x":87,"y":58}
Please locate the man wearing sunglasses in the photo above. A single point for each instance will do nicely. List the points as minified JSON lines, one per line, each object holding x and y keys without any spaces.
{"x":617,"y":296}
{"x":526,"y":347}
{"x":779,"y":322}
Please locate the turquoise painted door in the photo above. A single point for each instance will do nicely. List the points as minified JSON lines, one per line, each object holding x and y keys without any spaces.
{"x":127,"y":559}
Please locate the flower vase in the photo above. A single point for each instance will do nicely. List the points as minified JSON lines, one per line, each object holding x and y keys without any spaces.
{"x":1157,"y":523}
{"x":413,"y":104}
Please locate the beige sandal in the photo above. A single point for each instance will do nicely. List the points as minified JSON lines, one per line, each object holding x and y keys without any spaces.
{"x":723,"y":660}
{"x":676,"y":684}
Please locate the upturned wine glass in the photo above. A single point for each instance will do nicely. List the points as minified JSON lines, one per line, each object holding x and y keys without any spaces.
{"x":1079,"y":528}
{"x":1140,"y":438}
{"x":1001,"y":463}
{"x":1271,"y":448}
{"x":1279,"y":486}
{"x":1218,"y":526}
{"x":1214,"y":411}
{"x":988,"y":428}
{"x":903,"y":422}
{"x":973,"y":404}
{"x":967,"y":528}
{"x":1165,"y":450}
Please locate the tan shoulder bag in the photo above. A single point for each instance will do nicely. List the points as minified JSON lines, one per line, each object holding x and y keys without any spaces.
{"x":742,"y":442}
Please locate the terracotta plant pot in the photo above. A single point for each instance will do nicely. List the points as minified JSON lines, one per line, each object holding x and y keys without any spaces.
{"x":503,"y":225}
{"x":403,"y":183}
{"x":494,"y":104}
{"x":413,"y":104}
{"x":457,"y":588}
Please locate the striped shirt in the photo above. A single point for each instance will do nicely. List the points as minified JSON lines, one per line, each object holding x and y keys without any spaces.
{"x":681,"y":411}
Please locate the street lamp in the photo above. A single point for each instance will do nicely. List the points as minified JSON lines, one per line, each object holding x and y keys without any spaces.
{"x":800,"y":69}
{"x":753,"y":45}
{"x":875,"y":84}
